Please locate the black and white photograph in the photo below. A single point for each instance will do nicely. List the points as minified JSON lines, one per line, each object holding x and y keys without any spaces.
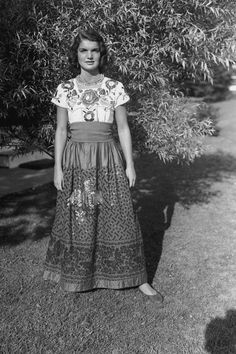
{"x":118,"y":177}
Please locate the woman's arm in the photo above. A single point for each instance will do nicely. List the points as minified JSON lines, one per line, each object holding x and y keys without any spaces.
{"x":126,"y":142}
{"x":60,"y":141}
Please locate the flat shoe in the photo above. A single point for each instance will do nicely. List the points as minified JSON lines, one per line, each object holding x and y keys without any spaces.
{"x":155,"y":298}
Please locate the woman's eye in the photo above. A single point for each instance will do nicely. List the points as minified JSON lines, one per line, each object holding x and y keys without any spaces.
{"x":82,"y":50}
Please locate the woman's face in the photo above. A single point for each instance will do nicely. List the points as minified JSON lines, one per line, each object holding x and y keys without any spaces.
{"x":89,"y":56}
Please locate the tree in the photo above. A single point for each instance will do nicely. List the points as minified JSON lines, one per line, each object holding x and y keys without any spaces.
{"x":154,"y":46}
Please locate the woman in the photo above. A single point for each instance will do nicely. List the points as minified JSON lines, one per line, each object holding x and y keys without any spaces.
{"x":96,"y":241}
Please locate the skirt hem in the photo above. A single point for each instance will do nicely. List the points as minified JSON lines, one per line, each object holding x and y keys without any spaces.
{"x":95,"y":284}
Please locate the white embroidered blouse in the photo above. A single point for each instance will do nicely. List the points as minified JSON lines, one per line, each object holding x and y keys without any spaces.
{"x":96,"y":104}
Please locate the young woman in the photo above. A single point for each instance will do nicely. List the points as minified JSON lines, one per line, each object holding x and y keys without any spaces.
{"x":96,"y":240}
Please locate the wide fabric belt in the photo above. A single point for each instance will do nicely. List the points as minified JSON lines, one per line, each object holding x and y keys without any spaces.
{"x":91,"y":132}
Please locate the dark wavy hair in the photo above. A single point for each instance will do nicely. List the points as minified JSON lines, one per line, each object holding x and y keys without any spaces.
{"x":92,"y":36}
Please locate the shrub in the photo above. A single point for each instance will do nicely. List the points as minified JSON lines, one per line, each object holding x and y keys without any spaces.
{"x":154,"y":47}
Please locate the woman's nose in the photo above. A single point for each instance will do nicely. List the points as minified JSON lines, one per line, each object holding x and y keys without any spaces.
{"x":90,"y":55}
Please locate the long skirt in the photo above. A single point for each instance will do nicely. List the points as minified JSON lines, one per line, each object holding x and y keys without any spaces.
{"x":96,"y":240}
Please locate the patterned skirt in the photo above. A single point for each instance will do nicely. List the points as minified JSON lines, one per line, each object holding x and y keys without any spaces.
{"x":96,"y":240}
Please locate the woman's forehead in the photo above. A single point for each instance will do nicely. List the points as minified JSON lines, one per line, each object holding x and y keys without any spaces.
{"x":85,"y":43}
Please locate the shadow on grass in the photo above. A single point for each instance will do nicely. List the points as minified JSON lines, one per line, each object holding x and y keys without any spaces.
{"x":160,"y":186}
{"x":194,"y":182}
{"x":190,"y":184}
{"x":29,"y":214}
{"x":154,"y":202}
{"x":220,"y":334}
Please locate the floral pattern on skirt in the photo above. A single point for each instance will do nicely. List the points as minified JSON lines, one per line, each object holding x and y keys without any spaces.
{"x":96,"y":240}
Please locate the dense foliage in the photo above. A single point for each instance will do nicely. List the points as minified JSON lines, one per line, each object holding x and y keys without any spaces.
{"x":154,"y":47}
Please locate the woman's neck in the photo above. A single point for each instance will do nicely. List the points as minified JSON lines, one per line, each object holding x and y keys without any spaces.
{"x":89,"y":77}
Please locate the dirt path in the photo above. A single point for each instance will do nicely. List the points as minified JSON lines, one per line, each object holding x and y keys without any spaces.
{"x":226,"y":141}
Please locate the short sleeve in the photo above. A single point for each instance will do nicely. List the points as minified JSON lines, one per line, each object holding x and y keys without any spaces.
{"x":121,"y":96}
{"x":60,"y":96}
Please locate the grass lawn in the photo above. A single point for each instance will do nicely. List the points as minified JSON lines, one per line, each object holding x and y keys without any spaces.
{"x":189,"y":228}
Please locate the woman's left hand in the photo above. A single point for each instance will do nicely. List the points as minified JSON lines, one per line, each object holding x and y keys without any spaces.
{"x":131,"y":175}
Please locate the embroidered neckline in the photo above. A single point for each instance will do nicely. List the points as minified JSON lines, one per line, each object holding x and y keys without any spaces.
{"x":95,"y":84}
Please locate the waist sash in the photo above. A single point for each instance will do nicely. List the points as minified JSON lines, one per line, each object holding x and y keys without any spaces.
{"x":91,"y":132}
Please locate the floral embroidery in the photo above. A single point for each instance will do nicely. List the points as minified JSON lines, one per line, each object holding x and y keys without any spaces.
{"x":84,"y":200}
{"x":57,"y":96}
{"x":56,"y":93}
{"x":102,"y":92}
{"x":113,"y":232}
{"x":72,"y":98}
{"x":72,"y":102}
{"x":94,"y":103}
{"x":68,"y":85}
{"x":89,"y":116}
{"x":89,"y":97}
{"x":111,"y":84}
{"x":106,"y":102}
{"x":74,"y":93}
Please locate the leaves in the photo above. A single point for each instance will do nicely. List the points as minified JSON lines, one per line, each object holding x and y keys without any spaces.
{"x":154,"y":47}
{"x":163,"y":114}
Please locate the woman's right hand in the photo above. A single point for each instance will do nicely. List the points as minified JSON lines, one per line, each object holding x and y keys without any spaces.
{"x":58,"y":178}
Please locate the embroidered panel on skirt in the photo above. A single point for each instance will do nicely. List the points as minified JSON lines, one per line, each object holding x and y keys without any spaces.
{"x":96,"y":239}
